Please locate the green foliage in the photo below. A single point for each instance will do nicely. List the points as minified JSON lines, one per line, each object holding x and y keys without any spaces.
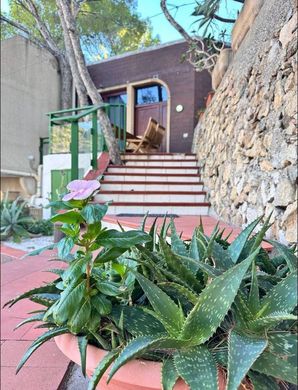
{"x":14,"y":221}
{"x":43,"y":227}
{"x":189,"y":304}
{"x":106,"y":28}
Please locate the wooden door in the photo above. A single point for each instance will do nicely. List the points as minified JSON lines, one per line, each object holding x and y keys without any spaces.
{"x":157,"y":111}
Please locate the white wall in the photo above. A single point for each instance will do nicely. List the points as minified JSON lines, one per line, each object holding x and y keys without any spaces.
{"x":58,"y":162}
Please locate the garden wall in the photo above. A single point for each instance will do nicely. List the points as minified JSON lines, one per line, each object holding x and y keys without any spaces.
{"x":246,"y":141}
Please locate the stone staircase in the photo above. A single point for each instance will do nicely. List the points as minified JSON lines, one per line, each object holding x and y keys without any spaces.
{"x":158,"y":183}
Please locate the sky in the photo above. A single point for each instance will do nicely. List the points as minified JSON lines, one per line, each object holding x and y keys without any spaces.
{"x":151,"y":9}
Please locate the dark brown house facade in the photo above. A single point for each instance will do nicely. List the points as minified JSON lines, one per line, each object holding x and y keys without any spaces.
{"x":155,"y":82}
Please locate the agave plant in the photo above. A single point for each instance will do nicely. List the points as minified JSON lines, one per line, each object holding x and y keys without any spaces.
{"x":193,"y":305}
{"x":13,"y":220}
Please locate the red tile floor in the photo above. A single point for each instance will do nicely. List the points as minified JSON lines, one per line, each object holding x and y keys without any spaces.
{"x":47,"y":366}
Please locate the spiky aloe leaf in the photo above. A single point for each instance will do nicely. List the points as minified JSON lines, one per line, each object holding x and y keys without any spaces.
{"x":194,"y":252}
{"x":214,"y":303}
{"x":284,"y":344}
{"x":286,"y":253}
{"x":138,"y":346}
{"x":177,"y":244}
{"x":166,"y":309}
{"x":49,"y":288}
{"x":281,"y":298}
{"x":221,"y":257}
{"x":197,"y":367}
{"x":152,"y":233}
{"x":262,"y":382}
{"x":242,"y":311}
{"x":82,"y":343}
{"x":37,"y":317}
{"x":238,"y":244}
{"x":178,"y":266}
{"x":101,"y":368}
{"x":138,"y":322}
{"x":254,"y":299}
{"x":191,"y":296}
{"x":270,"y":321}
{"x":169,"y":374}
{"x":276,"y":366}
{"x":38,"y":342}
{"x":243,"y":352}
{"x":45,"y":299}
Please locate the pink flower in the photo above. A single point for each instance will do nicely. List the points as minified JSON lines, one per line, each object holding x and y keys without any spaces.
{"x":81,"y":189}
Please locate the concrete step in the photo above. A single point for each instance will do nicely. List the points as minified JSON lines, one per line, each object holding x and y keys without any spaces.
{"x":150,"y":186}
{"x":152,"y":197}
{"x":159,"y":208}
{"x":149,"y":177}
{"x":149,"y":169}
{"x":160,"y":156}
{"x":161,"y":163}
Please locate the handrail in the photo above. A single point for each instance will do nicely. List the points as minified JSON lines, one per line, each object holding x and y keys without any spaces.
{"x":118,"y":121}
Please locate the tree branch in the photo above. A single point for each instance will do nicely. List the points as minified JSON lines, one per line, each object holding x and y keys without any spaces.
{"x":173,"y":22}
{"x":221,"y":19}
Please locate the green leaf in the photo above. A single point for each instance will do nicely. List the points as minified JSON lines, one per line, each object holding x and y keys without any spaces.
{"x":253,"y":299}
{"x":166,"y":309}
{"x":64,"y":247}
{"x":262,"y":382}
{"x":113,"y":238}
{"x":68,"y":217}
{"x":38,"y":342}
{"x":214,"y":303}
{"x":178,"y":267}
{"x":93,"y":213}
{"x":270,"y":321}
{"x":284,"y":344}
{"x":238,"y":244}
{"x":82,"y":343}
{"x":45,"y":299}
{"x":281,"y":298}
{"x":108,"y":288}
{"x":40,"y":250}
{"x":138,"y":322}
{"x":138,"y":346}
{"x":177,"y":244}
{"x":80,"y":317}
{"x":108,"y":255}
{"x":191,"y":297}
{"x":101,"y":304}
{"x":37,"y":317}
{"x":274,"y":365}
{"x":221,"y":257}
{"x":169,"y":374}
{"x":243,"y":352}
{"x":49,"y":288}
{"x":286,"y":253}
{"x":101,"y":368}
{"x":197,"y":367}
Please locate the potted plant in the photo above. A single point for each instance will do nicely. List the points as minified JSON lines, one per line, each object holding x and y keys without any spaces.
{"x":139,"y":312}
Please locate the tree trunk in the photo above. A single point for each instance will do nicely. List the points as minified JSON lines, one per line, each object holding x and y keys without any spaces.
{"x":68,"y":20}
{"x":78,"y":82}
{"x":66,"y":83}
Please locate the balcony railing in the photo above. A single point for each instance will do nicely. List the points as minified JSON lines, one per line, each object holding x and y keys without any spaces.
{"x":78,"y":131}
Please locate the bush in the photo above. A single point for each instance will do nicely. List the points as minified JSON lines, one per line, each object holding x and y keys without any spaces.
{"x":44,"y":227}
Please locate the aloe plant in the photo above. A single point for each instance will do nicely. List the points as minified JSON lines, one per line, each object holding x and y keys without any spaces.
{"x":193,"y":305}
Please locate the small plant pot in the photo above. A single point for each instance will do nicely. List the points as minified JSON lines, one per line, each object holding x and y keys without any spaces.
{"x":135,"y":375}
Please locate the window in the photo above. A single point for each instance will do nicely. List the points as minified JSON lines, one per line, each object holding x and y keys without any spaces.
{"x":152,"y":94}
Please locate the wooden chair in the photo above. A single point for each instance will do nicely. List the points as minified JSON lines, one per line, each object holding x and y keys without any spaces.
{"x":158,"y":137}
{"x":144,"y":144}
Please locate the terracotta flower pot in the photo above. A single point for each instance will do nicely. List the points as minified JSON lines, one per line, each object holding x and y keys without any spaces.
{"x":135,"y":375}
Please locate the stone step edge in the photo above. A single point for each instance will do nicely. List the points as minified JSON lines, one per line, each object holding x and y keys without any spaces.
{"x":180,"y":204}
{"x":151,"y":167}
{"x":132,"y":192}
{"x":179,"y":183}
{"x":151,"y":174}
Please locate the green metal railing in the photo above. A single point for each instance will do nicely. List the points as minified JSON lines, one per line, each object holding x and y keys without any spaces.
{"x":71,"y":117}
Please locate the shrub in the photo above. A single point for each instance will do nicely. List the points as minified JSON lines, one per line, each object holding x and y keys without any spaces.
{"x":44,"y":227}
{"x":193,"y":305}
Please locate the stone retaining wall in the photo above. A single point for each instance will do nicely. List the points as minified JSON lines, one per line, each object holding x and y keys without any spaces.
{"x":247,"y":140}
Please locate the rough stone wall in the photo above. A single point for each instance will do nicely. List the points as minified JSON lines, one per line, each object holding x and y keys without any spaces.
{"x":247,"y":140}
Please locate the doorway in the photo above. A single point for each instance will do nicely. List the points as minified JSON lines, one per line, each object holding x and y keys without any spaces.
{"x":150,"y":101}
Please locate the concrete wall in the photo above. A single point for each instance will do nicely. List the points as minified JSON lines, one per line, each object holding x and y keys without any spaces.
{"x":247,"y":140}
{"x":29,"y":89}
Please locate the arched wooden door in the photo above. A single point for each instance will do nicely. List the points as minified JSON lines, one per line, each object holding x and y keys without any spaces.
{"x":150,"y":101}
